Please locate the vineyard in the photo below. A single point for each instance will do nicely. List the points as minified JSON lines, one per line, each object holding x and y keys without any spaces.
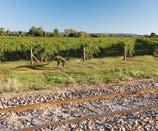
{"x":15,"y":48}
{"x":83,"y":65}
{"x":103,"y":68}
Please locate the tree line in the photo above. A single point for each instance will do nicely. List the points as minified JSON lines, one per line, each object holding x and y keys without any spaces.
{"x":40,"y":32}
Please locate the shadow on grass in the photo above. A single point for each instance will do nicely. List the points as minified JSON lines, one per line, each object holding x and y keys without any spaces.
{"x":36,"y":67}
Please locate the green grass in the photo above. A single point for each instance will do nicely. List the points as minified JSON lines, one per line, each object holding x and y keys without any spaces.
{"x":16,"y":76}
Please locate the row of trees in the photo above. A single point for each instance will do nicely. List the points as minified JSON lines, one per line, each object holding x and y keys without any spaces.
{"x":40,"y":32}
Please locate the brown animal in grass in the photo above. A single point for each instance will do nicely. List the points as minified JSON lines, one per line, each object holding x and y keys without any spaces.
{"x":60,"y":61}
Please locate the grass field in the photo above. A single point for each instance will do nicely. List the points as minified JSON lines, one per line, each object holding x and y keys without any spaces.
{"x":18,"y":76}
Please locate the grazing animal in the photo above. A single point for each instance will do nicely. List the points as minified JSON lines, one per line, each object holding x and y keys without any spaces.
{"x":60,"y":61}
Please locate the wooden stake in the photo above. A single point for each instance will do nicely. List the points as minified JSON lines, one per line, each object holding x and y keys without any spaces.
{"x":125,"y":53}
{"x":35,"y":58}
{"x":84,"y":53}
{"x":31,"y":58}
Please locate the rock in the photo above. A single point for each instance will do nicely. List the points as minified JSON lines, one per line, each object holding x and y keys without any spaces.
{"x":140,"y":128}
{"x":122,"y":128}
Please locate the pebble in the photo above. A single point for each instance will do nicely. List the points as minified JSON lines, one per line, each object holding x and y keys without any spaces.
{"x":71,"y":94}
{"x":141,"y":120}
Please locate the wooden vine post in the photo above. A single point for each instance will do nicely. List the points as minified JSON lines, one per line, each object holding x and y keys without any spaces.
{"x":31,"y":58}
{"x":84,"y":53}
{"x":125,"y":53}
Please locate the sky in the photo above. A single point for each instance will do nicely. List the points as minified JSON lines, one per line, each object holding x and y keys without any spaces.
{"x":99,"y":16}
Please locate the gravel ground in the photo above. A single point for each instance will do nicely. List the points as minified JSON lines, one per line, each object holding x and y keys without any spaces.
{"x":138,"y":121}
{"x":41,"y":116}
{"x":49,"y":96}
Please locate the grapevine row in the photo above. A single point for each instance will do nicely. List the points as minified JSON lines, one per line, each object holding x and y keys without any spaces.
{"x":50,"y":46}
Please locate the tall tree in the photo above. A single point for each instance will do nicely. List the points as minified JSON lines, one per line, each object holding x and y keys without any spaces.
{"x":56,"y":32}
{"x":36,"y":31}
{"x":2,"y":31}
{"x":69,"y":32}
{"x":153,"y":35}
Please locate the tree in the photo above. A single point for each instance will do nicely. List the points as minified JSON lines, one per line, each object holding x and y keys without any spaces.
{"x":153,"y":34}
{"x":56,"y":32}
{"x":36,"y":31}
{"x":32,"y":30}
{"x":8,"y":33}
{"x":69,"y":32}
{"x":2,"y":31}
{"x":82,"y":34}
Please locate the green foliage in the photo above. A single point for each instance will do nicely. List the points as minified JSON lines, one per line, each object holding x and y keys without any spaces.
{"x":51,"y":46}
{"x":58,"y":78}
{"x":36,"y":31}
{"x":150,"y":43}
{"x":129,"y":43}
{"x":56,"y":32}
{"x":156,"y":52}
{"x":2,"y":31}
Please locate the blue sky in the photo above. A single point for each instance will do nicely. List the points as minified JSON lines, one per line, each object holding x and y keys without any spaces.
{"x":108,"y":16}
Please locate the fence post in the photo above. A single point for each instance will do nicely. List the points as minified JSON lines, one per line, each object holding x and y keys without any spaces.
{"x":31,"y":58}
{"x":125,"y":53}
{"x":84,"y":52}
{"x":83,"y":47}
